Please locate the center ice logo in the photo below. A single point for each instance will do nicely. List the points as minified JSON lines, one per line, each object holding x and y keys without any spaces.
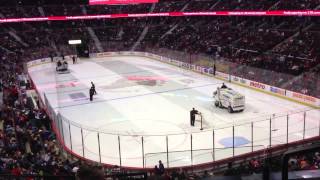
{"x":131,"y":81}
{"x":148,"y":80}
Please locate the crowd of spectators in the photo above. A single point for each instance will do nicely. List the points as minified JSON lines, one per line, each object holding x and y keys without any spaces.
{"x":268,"y":51}
{"x":245,"y":168}
{"x":308,"y":161}
{"x":27,"y":143}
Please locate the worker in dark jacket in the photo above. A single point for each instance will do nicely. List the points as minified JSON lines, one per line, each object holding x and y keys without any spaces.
{"x":193,"y":113}
{"x":94,"y":88}
{"x":91,"y":93}
{"x":223,"y":86}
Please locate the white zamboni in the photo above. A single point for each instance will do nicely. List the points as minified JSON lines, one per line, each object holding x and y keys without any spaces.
{"x":230,"y":99}
{"x":62,"y":68}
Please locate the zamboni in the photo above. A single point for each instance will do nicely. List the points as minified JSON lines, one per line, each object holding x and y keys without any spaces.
{"x":225,"y":97}
{"x":62,"y":67}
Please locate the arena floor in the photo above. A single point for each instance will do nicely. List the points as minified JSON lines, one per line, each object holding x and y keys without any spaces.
{"x":139,"y":96}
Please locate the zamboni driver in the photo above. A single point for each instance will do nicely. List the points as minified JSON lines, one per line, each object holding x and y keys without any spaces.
{"x":59,"y":63}
{"x":223,"y":86}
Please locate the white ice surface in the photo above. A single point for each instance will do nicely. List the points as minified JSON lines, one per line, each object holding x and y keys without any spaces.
{"x":156,"y":109}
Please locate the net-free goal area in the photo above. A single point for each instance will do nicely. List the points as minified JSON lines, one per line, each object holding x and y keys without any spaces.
{"x":141,"y":114}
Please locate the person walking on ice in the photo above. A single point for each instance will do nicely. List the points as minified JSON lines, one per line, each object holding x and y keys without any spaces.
{"x":94,"y":88}
{"x":91,"y":93}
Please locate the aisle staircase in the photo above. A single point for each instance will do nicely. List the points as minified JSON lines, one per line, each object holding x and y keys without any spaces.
{"x":214,"y":5}
{"x":152,"y":7}
{"x":141,"y":37}
{"x":170,"y":31}
{"x":84,"y":10}
{"x":176,"y":25}
{"x":17,"y":38}
{"x":54,"y":46}
{"x":6,"y":50}
{"x":291,"y":37}
{"x":41,"y":11}
{"x":96,"y":40}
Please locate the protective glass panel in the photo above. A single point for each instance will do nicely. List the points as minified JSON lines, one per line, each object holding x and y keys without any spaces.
{"x":223,"y":139}
{"x":202,"y":147}
{"x":131,"y":151}
{"x":91,"y":145}
{"x":295,"y":127}
{"x":261,"y":134}
{"x":66,"y":134}
{"x":155,"y":149}
{"x":75,"y":138}
{"x":242,"y":139}
{"x":312,"y":123}
{"x":221,"y":153}
{"x":180,"y":158}
{"x":202,"y":156}
{"x":279,"y":130}
{"x":180,"y":150}
{"x":109,"y":148}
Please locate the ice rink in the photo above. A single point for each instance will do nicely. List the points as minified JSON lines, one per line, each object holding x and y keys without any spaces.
{"x":140,"y":97}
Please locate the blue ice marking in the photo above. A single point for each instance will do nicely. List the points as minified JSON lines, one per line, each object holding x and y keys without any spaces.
{"x":238,"y":141}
